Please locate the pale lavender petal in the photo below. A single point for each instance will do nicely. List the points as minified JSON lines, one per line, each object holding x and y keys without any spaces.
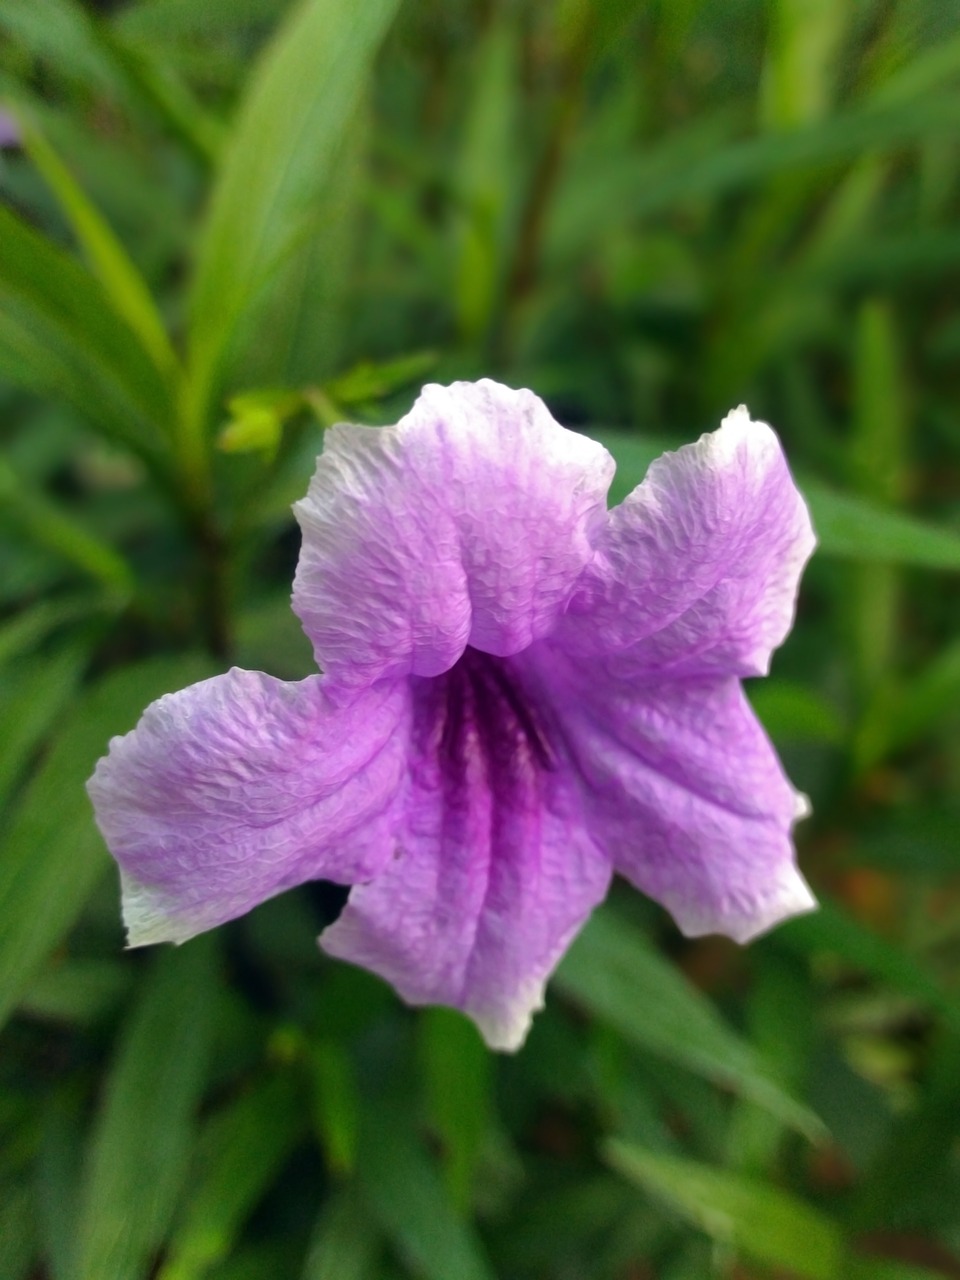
{"x":466,"y":523}
{"x":494,"y":870}
{"x":697,"y":570}
{"x":241,"y":786}
{"x":684,"y":792}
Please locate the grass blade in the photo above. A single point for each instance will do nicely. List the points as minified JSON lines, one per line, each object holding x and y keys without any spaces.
{"x":141,"y":1141}
{"x":106,"y":256}
{"x":612,"y":972}
{"x":60,"y":336}
{"x":33,"y":695}
{"x":302,"y":97}
{"x":242,"y":1150}
{"x":769,"y":1225}
{"x":405,"y":1192}
{"x":47,"y":525}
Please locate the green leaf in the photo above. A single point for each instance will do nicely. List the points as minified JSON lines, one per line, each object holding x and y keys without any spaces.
{"x":56,"y":1176}
{"x":665,"y":176}
{"x":612,"y":972}
{"x":335,"y":1102}
{"x":927,"y":700}
{"x":904,"y":1186}
{"x":51,"y":528}
{"x":257,"y":420}
{"x":17,"y":1232}
{"x":156,"y":80}
{"x":830,"y":931}
{"x":880,"y":260}
{"x":241,"y":1151}
{"x":106,"y":256}
{"x":792,"y":712}
{"x":407,"y":1197}
{"x":76,"y":991}
{"x":252,"y":431}
{"x":855,"y":529}
{"x":457,"y":1074}
{"x":302,"y":96}
{"x":157,"y":21}
{"x":884,"y":1269}
{"x":33,"y":695}
{"x":293,"y":333}
{"x":27,"y":630}
{"x":64,"y":33}
{"x":370,"y":380}
{"x":344,"y":1247}
{"x":877,"y":464}
{"x":51,"y":853}
{"x":60,"y":337}
{"x":800,"y":70}
{"x":486,"y":176}
{"x":781,"y":1012}
{"x":754,"y":1218}
{"x":142,"y":1137}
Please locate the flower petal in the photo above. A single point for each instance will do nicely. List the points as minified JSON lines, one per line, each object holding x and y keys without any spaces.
{"x":684,"y":792}
{"x":494,"y":871}
{"x":697,"y":570}
{"x":466,"y":523}
{"x":241,"y":786}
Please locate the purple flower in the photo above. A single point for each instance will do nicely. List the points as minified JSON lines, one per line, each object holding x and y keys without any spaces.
{"x":522,"y":693}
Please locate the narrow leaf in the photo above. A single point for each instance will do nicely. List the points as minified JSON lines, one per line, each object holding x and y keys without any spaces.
{"x":241,"y":1151}
{"x":66,"y":34}
{"x":408,"y":1199}
{"x":302,"y":96}
{"x":665,"y":177}
{"x":33,"y":696}
{"x":856,"y":529}
{"x":53,"y":529}
{"x":23,"y":633}
{"x":457,"y":1074}
{"x":77,"y":991}
{"x":335,"y":1102}
{"x":831,"y":931}
{"x":767,"y":1224}
{"x":60,"y":337}
{"x":106,"y":256}
{"x":344,"y":1247}
{"x":17,"y":1232}
{"x":613,"y":973}
{"x":142,"y":1136}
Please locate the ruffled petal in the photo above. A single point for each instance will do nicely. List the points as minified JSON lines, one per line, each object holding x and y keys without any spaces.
{"x":466,"y":523}
{"x":683,"y":791}
{"x":494,"y":871}
{"x":697,"y":570}
{"x":242,"y":786}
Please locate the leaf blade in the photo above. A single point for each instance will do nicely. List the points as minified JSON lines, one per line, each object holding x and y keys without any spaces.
{"x":108,"y":259}
{"x":301,"y":99}
{"x":771,"y":1225}
{"x":59,"y":336}
{"x":617,"y":977}
{"x":141,"y":1140}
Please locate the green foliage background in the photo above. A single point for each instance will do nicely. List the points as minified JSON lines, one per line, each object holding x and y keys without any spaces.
{"x":236,"y":221}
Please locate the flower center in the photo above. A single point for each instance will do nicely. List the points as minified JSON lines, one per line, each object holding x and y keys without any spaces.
{"x":479,"y":715}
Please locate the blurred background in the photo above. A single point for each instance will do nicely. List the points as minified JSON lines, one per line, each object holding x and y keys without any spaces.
{"x":226,"y":224}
